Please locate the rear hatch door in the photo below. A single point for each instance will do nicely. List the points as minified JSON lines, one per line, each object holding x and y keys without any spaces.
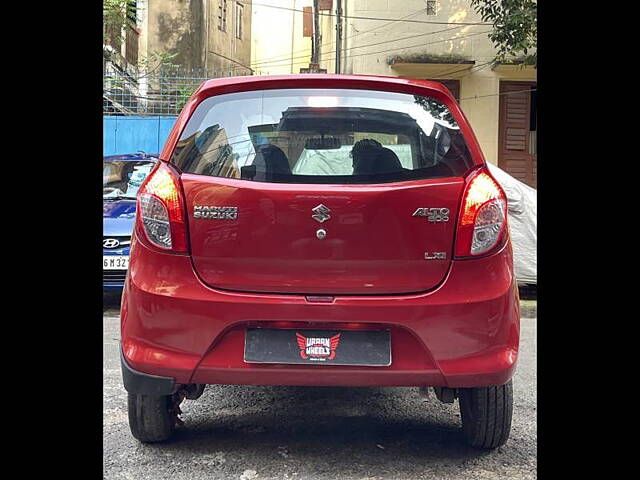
{"x":373,"y":242}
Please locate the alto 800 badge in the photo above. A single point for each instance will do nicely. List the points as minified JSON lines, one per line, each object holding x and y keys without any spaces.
{"x":434,"y":215}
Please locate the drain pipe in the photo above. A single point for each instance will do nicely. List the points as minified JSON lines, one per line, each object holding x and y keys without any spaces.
{"x":315,"y":44}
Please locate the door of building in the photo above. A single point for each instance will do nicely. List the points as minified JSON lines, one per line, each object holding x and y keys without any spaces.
{"x":517,"y":152}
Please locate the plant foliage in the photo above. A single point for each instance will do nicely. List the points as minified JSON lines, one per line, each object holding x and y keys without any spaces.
{"x":515,"y":28}
{"x":427,"y":58}
{"x":116,"y":16}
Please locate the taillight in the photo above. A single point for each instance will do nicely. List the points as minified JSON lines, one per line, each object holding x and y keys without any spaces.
{"x":482,"y":225}
{"x":159,"y":214}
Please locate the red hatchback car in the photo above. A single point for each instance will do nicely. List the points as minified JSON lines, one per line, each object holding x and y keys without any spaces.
{"x":321,"y":230}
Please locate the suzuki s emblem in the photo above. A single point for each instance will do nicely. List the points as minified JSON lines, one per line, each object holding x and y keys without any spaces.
{"x":321,"y":213}
{"x":110,"y":243}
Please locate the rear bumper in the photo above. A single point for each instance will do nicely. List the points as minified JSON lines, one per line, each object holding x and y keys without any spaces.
{"x":143,"y":383}
{"x":463,"y":334}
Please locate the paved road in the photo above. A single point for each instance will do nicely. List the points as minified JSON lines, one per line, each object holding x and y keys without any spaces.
{"x":241,"y":432}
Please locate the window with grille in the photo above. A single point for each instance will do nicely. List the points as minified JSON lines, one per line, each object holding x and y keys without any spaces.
{"x":239,"y":21}
{"x":431,"y":7}
{"x":222,"y":15}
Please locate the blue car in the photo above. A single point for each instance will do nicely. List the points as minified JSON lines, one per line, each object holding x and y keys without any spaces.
{"x":121,"y":178}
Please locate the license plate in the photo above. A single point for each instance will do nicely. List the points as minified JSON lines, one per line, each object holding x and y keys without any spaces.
{"x":318,"y":347}
{"x":115,"y":262}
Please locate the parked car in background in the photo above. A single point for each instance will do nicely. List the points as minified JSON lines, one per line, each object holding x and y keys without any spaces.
{"x":321,"y":230}
{"x":122,"y":175}
{"x":522,"y":203}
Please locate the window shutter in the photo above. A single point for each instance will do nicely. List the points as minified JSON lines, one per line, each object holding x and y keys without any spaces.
{"x":516,"y":115}
{"x":515,"y":156}
{"x":453,"y":86}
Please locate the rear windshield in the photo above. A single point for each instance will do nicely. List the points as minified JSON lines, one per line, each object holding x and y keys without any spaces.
{"x":322,"y":136}
{"x":121,"y":179}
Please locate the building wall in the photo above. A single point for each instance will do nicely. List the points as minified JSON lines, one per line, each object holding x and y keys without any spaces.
{"x":225,"y":52}
{"x":277,"y":41}
{"x":189,"y":29}
{"x":370,"y":43}
{"x":176,"y":26}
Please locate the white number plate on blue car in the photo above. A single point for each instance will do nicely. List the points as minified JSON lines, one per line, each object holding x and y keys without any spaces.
{"x":115,"y":262}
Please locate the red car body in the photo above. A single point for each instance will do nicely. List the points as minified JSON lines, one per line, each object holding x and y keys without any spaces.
{"x":184,"y":315}
{"x":463,"y":333}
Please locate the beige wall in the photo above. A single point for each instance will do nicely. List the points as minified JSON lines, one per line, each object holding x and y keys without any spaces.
{"x":189,"y":28}
{"x":175,"y":26}
{"x":278,"y":46}
{"x":225,"y":44}
{"x":479,"y":81}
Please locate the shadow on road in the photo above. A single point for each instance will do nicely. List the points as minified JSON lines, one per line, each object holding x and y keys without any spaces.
{"x":528,"y":292}
{"x":382,"y":428}
{"x":111,"y":300}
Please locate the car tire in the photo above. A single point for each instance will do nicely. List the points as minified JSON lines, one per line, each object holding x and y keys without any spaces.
{"x":150,"y":417}
{"x":486,"y":415}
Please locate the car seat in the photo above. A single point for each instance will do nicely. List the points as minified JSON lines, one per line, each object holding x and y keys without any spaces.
{"x":271,"y":163}
{"x":376,"y":162}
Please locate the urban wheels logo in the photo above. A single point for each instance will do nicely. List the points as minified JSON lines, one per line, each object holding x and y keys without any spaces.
{"x":319,"y":349}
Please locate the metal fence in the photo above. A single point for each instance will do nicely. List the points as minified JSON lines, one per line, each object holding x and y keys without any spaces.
{"x":161,"y":93}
